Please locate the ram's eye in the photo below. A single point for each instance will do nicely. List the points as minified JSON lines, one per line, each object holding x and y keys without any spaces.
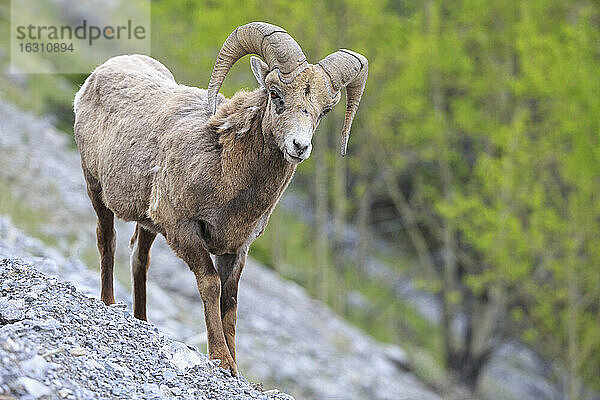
{"x":277,"y":101}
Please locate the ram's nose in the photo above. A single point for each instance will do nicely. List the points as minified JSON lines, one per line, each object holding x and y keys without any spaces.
{"x":301,"y":147}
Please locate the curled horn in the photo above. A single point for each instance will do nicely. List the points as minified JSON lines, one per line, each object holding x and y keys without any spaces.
{"x":272,"y":43}
{"x":348,"y":69}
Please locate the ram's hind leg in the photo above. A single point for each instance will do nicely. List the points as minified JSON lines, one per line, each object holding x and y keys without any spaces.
{"x":140,"y":261}
{"x":230,"y":268}
{"x":105,"y":235}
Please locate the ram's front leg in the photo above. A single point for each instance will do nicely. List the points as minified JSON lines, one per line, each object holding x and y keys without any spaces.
{"x":191,"y":248}
{"x":230,"y":268}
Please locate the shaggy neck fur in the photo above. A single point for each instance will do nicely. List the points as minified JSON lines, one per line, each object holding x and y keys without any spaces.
{"x":249,"y":153}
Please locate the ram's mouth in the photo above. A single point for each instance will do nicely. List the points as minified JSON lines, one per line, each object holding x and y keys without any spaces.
{"x":292,"y":159}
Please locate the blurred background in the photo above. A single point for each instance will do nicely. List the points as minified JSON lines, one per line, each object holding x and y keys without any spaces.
{"x":463,"y":226}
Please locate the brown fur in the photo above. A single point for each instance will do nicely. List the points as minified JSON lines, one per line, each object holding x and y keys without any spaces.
{"x":152,"y":153}
{"x":140,"y":261}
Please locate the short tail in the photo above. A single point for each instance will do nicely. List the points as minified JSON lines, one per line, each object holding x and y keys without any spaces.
{"x":79,"y":94}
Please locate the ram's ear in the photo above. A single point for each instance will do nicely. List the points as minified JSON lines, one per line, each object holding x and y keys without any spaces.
{"x":260,"y":70}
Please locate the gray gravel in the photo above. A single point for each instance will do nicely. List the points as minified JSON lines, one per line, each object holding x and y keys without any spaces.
{"x":57,"y":343}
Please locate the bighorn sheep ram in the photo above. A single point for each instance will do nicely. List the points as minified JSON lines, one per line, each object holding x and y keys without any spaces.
{"x":200,"y":169}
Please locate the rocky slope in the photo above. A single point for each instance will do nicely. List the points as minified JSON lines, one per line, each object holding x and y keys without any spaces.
{"x":58,"y":343}
{"x":285,"y":338}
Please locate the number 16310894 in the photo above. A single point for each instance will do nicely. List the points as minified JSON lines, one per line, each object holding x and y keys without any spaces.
{"x":46,"y":47}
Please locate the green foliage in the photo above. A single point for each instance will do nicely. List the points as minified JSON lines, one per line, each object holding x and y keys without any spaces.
{"x":518,"y":129}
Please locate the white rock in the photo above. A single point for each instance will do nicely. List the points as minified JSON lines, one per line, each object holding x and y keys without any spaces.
{"x":77,"y":351}
{"x":35,"y":366}
{"x":34,"y":387}
{"x":182,"y":356}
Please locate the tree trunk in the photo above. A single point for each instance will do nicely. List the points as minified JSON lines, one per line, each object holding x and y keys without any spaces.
{"x":339,"y":219}
{"x":449,"y":274}
{"x":362,"y":223}
{"x":318,"y":279}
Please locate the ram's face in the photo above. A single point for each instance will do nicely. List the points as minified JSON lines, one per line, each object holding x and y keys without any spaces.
{"x":295,"y":110}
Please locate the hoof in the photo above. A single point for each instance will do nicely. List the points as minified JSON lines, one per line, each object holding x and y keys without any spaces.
{"x":228,"y":364}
